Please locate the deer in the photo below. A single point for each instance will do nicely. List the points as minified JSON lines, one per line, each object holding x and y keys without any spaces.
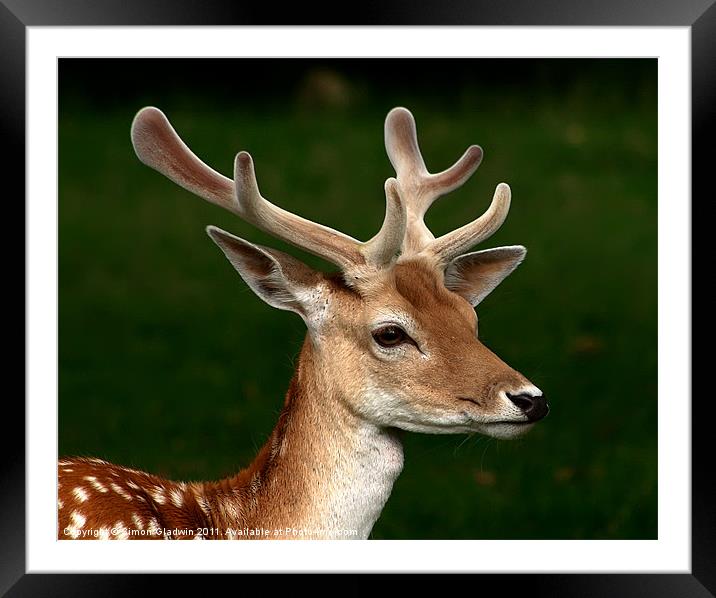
{"x":391,"y":347}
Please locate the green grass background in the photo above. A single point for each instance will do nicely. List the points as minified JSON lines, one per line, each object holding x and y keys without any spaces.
{"x":170,"y":364}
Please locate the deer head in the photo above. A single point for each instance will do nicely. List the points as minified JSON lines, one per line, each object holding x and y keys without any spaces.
{"x":394,"y":334}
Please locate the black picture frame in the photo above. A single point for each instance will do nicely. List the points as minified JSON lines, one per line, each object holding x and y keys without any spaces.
{"x":699,"y":15}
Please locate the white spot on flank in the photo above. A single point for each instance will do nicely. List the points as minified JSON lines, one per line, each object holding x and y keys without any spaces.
{"x":68,"y":470}
{"x":158,"y":495}
{"x":153,"y":527}
{"x":120,"y":530}
{"x":176,"y":497}
{"x":78,"y":519}
{"x":80,"y":494}
{"x":132,"y":485}
{"x":104,"y":534}
{"x":95,"y":484}
{"x":121,"y":491}
{"x":60,"y":504}
{"x":137,"y":520}
{"x":63,"y":463}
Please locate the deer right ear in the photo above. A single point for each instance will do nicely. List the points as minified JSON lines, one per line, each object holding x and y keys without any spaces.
{"x":279,"y":279}
{"x":475,"y":275}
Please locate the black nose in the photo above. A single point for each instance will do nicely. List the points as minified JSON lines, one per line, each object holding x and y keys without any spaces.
{"x":534,"y":407}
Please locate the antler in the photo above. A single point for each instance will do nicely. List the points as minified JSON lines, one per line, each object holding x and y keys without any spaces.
{"x":420,"y":189}
{"x":407,"y":198}
{"x":158,"y":146}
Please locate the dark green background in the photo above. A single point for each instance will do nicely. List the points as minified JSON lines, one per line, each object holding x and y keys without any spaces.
{"x":170,"y":364}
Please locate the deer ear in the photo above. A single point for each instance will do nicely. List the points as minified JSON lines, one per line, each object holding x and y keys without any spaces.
{"x":279,"y":279}
{"x":475,"y":275}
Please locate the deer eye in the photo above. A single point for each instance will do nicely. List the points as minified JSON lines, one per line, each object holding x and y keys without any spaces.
{"x":390,"y":336}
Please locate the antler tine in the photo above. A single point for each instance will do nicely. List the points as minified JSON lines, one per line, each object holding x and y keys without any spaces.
{"x":422,"y":188}
{"x":158,"y":146}
{"x":382,"y":249}
{"x":455,"y":243}
{"x":401,"y":144}
{"x":419,"y":187}
{"x":325,"y":242}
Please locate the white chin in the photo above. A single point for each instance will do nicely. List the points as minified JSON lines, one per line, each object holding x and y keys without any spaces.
{"x":505,"y":430}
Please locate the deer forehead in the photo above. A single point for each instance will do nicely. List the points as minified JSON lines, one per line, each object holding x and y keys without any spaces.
{"x":413,"y":294}
{"x":423,"y":287}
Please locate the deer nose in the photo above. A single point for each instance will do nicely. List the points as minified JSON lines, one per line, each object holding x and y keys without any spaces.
{"x":535,"y":407}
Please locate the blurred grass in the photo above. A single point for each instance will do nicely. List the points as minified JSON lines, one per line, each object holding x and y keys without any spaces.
{"x":169,"y":363}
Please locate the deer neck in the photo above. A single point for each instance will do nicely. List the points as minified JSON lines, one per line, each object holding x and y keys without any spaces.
{"x":324,"y":472}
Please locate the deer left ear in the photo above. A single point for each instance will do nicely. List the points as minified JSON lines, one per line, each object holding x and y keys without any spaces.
{"x":475,"y":275}
{"x":279,"y":279}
